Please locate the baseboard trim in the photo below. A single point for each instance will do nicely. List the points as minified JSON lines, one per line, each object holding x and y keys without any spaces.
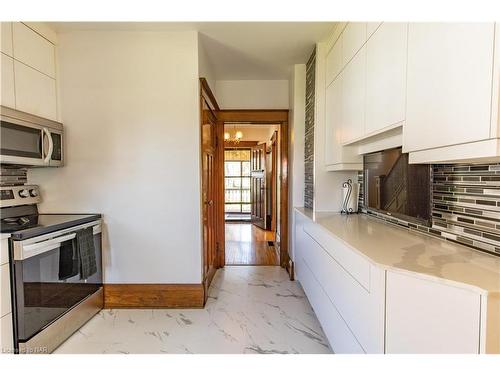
{"x":123,"y":296}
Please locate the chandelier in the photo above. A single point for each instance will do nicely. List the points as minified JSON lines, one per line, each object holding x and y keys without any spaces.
{"x":236,"y":139}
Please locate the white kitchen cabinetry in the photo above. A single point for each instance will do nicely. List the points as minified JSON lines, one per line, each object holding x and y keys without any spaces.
{"x":337,"y":157}
{"x":7,"y":81}
{"x":6,"y":334}
{"x":354,"y":36}
{"x":371,"y":27}
{"x":353,"y":98}
{"x":35,"y":92}
{"x":449,"y":87}
{"x":29,"y":70}
{"x":424,"y":316}
{"x":33,"y":49}
{"x":345,"y":285}
{"x":369,"y":307}
{"x":334,"y":63}
{"x":6,"y":38}
{"x":386,"y":77}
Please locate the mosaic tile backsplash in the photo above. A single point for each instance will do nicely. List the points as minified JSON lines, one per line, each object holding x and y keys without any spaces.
{"x":309,"y":132}
{"x":465,"y":206}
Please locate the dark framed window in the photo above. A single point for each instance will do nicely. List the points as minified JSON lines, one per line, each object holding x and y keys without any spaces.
{"x":237,"y":181}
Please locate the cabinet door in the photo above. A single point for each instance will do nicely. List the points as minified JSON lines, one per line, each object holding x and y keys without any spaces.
{"x":33,"y":49}
{"x":449,"y":83}
{"x":7,"y":81}
{"x":354,"y":36}
{"x":353,"y":98}
{"x":5,"y":306}
{"x":6,"y":38}
{"x":334,"y":61}
{"x":35,"y":92}
{"x":333,"y":122}
{"x":424,"y":316}
{"x":386,"y":76}
{"x":6,"y":334}
{"x":371,"y":27}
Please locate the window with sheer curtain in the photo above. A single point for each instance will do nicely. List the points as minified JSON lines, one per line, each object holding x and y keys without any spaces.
{"x":237,"y":180}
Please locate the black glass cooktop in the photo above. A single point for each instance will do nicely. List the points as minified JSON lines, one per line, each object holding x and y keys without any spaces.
{"x":25,"y":227}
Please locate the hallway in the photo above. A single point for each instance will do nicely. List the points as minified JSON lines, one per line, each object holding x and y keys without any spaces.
{"x":247,"y":244}
{"x":249,"y":310}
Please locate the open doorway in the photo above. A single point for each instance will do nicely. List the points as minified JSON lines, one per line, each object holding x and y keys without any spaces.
{"x":251,"y":194}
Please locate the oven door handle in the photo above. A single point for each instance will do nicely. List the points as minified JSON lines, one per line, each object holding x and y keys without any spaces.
{"x":28,"y":251}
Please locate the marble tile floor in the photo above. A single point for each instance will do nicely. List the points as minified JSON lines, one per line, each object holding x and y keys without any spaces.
{"x":250,"y":309}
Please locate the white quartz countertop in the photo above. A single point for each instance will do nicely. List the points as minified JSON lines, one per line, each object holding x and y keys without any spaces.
{"x":395,"y":247}
{"x":4,"y":236}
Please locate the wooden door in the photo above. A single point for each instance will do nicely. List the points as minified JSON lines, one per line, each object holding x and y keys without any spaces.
{"x":209,"y":192}
{"x":258,"y":185}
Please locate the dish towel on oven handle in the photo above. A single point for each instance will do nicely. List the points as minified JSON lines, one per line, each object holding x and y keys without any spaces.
{"x":86,"y":252}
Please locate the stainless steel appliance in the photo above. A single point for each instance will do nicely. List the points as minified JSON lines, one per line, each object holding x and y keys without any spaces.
{"x":30,"y":140}
{"x":47,"y":306}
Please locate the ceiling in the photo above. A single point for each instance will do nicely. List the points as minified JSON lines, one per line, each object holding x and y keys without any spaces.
{"x":236,"y":50}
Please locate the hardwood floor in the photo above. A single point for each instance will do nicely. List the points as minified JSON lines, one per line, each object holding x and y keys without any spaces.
{"x":247,"y":244}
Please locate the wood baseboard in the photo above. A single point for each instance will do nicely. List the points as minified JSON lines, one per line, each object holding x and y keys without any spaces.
{"x":153,"y":296}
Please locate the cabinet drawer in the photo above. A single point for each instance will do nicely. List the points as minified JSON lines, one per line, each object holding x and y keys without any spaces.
{"x":353,"y":263}
{"x":6,"y":334}
{"x":361,"y":310}
{"x":33,"y":49}
{"x":4,"y":251}
{"x":7,"y":81}
{"x":354,"y":37}
{"x":5,"y":306}
{"x":6,"y":38}
{"x":35,"y":92}
{"x":336,"y":330}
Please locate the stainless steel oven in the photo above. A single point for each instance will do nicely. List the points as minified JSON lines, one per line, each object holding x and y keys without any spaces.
{"x":50,"y":303}
{"x":30,"y":140}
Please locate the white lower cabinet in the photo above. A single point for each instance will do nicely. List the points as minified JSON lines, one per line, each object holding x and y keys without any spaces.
{"x":365,"y":307}
{"x":424,"y":316}
{"x":6,"y":333}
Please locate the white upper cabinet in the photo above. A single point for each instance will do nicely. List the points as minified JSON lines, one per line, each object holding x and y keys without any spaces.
{"x":35,"y":92}
{"x":6,"y":38}
{"x":7,"y":97}
{"x":34,"y":50}
{"x":334,"y":62}
{"x":386,"y":77}
{"x":354,"y":36}
{"x":337,"y":157}
{"x":371,"y":27}
{"x":449,"y":84}
{"x":353,"y":95}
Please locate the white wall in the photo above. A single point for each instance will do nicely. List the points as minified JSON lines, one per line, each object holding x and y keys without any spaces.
{"x":327,"y":185}
{"x":296,"y":146}
{"x":252,"y":94}
{"x":130,"y":107}
{"x":205,"y":67}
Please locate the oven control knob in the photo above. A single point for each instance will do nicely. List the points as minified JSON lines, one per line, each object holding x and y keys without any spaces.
{"x":24,"y":193}
{"x":33,"y":193}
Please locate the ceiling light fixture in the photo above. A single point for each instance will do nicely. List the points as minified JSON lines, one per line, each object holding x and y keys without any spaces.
{"x":238,"y":135}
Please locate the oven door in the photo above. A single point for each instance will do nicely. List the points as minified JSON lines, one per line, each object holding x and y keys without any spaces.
{"x":45,"y":288}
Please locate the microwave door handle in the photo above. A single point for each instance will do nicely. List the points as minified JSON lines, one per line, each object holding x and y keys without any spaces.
{"x":48,"y":156}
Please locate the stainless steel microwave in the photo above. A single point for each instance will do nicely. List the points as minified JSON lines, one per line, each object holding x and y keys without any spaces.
{"x":30,"y":140}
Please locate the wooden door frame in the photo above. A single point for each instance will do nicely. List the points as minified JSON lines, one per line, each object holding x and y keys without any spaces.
{"x":255,"y":116}
{"x":274,"y":180}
